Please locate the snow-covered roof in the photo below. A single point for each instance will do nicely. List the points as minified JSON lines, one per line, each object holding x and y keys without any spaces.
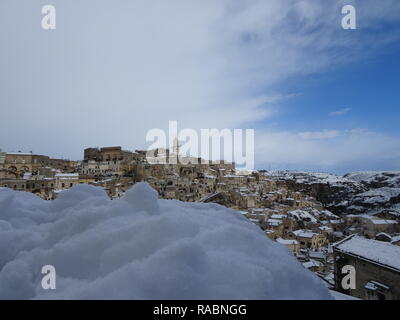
{"x":312,"y":263}
{"x":376,"y":251}
{"x":274,"y":222}
{"x":325,"y":228}
{"x":395,"y":239}
{"x":383,"y":221}
{"x":66,"y":176}
{"x":375,"y":285}
{"x":209,"y":196}
{"x":286,"y":241}
{"x":304,"y":233}
{"x":302,"y":215}
{"x":383,"y":234}
{"x":278,"y":216}
{"x":316,"y":254}
{"x":27,"y":175}
{"x":19,"y":153}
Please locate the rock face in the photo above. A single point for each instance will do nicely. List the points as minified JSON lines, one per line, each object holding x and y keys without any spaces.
{"x":353,"y":193}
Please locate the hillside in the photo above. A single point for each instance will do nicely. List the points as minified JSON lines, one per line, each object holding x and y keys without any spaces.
{"x":354,"y":193}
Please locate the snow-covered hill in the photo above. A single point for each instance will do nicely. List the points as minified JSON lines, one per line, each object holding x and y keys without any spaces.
{"x":369,"y":192}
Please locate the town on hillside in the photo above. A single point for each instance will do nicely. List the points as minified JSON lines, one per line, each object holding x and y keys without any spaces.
{"x":326,"y":221}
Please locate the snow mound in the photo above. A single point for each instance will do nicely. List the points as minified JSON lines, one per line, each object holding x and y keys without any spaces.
{"x":140,"y":247}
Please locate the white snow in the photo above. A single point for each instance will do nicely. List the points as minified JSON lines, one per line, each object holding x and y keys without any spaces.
{"x":278,"y":216}
{"x":19,"y":153}
{"x":67,"y":175}
{"x":309,"y":177}
{"x":312,"y":263}
{"x":274,"y":222}
{"x":140,"y":247}
{"x":380,"y":195}
{"x":302,"y":215}
{"x":287,"y":241}
{"x":390,"y":177}
{"x":376,"y":251}
{"x":304,"y":233}
{"x":383,"y":221}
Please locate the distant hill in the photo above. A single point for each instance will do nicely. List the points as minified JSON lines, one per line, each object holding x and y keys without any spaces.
{"x":370,"y":192}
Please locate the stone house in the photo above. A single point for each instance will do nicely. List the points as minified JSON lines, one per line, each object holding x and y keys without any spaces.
{"x":308,"y":239}
{"x":293,"y":245}
{"x":371,"y":227}
{"x":376,"y":264}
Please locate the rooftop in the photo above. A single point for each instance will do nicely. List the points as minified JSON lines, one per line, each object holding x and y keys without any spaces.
{"x":376,"y":251}
{"x":287,"y":241}
{"x":304,"y":233}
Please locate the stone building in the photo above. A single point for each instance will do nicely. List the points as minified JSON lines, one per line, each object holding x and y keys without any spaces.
{"x":107,"y":154}
{"x":106,"y":161}
{"x":18,"y":163}
{"x":2,"y":160}
{"x":308,"y":239}
{"x":376,"y":264}
{"x":16,"y":184}
{"x":371,"y":227}
{"x":293,"y":245}
{"x":64,"y":181}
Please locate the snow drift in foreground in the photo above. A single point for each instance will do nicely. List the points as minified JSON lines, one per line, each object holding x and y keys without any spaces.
{"x":139,"y":247}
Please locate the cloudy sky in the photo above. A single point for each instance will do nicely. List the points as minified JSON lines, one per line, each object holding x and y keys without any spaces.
{"x":319,"y":97}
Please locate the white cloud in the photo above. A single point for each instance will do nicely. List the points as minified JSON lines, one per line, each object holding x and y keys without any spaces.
{"x":319,"y":135}
{"x":115,"y":69}
{"x":328,"y":150}
{"x":340,"y":112}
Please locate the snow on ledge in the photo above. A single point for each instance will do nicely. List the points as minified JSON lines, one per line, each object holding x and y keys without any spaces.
{"x":140,"y":247}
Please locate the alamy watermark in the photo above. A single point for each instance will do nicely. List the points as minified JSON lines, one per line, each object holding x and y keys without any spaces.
{"x":349,"y":280}
{"x":49,"y":280}
{"x":349,"y":21}
{"x":49,"y":18}
{"x":211,"y":146}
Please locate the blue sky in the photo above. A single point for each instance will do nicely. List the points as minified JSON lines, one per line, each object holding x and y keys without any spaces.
{"x":361,"y":95}
{"x":369,"y":89}
{"x":319,"y":97}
